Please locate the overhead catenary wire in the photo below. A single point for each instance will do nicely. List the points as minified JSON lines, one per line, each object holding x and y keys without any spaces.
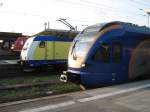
{"x":98,"y":5}
{"x":140,"y":3}
{"x":54,"y":18}
{"x":42,"y":16}
{"x":87,"y":4}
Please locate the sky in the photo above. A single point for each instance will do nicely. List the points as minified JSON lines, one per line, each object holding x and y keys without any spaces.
{"x":28,"y":16}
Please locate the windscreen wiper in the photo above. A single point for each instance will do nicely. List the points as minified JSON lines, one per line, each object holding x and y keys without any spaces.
{"x":73,"y":52}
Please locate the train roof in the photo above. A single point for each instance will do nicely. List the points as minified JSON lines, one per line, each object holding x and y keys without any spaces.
{"x":57,"y":32}
{"x":126,"y":26}
{"x":60,"y":30}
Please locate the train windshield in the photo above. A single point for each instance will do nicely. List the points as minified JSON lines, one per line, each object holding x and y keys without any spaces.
{"x":82,"y":48}
{"x":90,"y":32}
{"x":84,"y":40}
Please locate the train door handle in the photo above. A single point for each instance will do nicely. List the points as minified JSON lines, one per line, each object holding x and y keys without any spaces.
{"x":113,"y":76}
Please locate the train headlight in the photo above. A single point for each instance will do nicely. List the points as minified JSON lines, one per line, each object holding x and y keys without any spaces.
{"x":21,"y":62}
{"x":83,"y":65}
{"x":64,"y":72}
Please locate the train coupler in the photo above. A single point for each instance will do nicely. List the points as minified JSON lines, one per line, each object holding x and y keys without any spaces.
{"x":69,"y":77}
{"x":63,"y":77}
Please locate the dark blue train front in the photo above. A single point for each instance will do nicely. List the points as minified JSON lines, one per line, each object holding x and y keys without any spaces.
{"x":109,"y":53}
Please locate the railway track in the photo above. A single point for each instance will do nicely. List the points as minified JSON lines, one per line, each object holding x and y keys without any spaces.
{"x":17,"y":92}
{"x":21,"y":86}
{"x":9,"y":70}
{"x":9,"y":57}
{"x":18,"y":85}
{"x":17,"y":72}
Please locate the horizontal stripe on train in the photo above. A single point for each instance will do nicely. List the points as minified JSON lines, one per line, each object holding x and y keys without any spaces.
{"x":52,"y":38}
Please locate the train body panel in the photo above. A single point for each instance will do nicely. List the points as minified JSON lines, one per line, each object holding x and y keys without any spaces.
{"x":45,"y":50}
{"x":52,"y":51}
{"x":104,"y":54}
{"x":38,"y":52}
{"x":64,"y":48}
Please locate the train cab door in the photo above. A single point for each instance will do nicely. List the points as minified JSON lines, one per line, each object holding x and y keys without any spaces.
{"x":61,"y":50}
{"x":101,"y":63}
{"x":39,"y":53}
{"x":49,"y":54}
{"x":117,"y":62}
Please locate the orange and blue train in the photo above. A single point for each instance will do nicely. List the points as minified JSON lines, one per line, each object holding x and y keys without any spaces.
{"x":109,"y":53}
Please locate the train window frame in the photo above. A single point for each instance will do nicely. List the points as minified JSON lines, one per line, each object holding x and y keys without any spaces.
{"x":116,"y":58}
{"x":98,"y":54}
{"x":42,"y":44}
{"x":6,"y":45}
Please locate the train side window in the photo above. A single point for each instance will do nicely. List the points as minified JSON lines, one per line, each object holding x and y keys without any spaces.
{"x":42,"y":44}
{"x":6,"y":45}
{"x":116,"y":52}
{"x":102,"y":53}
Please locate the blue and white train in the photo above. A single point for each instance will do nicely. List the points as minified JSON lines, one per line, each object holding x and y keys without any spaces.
{"x":43,"y":50}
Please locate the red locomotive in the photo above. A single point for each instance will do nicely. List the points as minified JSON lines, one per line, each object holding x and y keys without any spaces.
{"x":18,"y":44}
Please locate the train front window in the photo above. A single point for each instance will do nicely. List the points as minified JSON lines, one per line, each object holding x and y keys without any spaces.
{"x":82,"y":48}
{"x":28,"y":43}
{"x":102,"y":53}
{"x":90,"y":32}
{"x":84,"y":41}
